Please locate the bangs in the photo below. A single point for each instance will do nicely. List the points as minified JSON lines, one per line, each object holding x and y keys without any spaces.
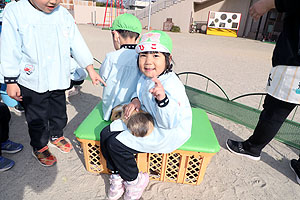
{"x":150,"y":52}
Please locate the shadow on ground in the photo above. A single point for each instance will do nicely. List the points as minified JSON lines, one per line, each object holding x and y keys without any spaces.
{"x":223,"y":134}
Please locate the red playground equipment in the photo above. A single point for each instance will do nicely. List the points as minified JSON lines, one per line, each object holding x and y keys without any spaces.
{"x":113,"y":9}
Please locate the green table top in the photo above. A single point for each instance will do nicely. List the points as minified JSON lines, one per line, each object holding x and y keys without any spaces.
{"x":203,"y":138}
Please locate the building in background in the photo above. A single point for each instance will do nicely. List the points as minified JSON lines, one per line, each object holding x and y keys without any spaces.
{"x":189,"y":15}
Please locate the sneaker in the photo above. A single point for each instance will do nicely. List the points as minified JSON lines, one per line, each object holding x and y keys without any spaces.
{"x":135,"y":191}
{"x":19,"y":109}
{"x":116,"y":189}
{"x":295,"y":166}
{"x":45,"y":157}
{"x":11,"y":147}
{"x":238,"y":149}
{"x":73,"y":91}
{"x":5,"y":164}
{"x":62,"y":143}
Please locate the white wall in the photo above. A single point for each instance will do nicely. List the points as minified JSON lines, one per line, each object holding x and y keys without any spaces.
{"x":88,"y":14}
{"x":182,"y":20}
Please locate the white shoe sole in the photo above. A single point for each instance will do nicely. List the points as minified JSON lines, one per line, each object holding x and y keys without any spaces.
{"x":297,"y":178}
{"x":53,"y":145}
{"x":240,"y":154}
{"x":15,"y":151}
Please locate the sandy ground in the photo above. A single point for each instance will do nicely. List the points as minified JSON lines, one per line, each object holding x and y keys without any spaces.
{"x":239,"y":65}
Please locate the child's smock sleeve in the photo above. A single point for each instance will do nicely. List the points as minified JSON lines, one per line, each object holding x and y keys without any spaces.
{"x":105,"y":68}
{"x":11,"y":53}
{"x":169,"y":116}
{"x":79,"y":49}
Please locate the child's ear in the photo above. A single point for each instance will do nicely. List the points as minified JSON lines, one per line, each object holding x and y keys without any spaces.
{"x":138,"y":39}
{"x":170,"y":58}
{"x":116,"y":36}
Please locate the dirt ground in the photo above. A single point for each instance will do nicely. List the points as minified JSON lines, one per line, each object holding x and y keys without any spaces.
{"x":239,"y":65}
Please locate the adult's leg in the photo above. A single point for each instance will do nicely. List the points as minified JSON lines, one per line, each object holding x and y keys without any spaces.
{"x":271,"y":118}
{"x":57,"y":113}
{"x":4,"y":123}
{"x":36,"y":112}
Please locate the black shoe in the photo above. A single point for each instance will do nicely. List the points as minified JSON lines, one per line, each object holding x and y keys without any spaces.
{"x":295,"y":166}
{"x":19,"y":109}
{"x":238,"y":149}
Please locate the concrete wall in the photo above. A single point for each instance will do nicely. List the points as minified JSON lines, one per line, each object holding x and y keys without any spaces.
{"x":88,"y":14}
{"x":180,"y":13}
{"x":182,"y":20}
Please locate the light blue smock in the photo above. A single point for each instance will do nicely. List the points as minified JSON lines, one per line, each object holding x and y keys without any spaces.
{"x":36,"y":46}
{"x":120,"y":72}
{"x":77,"y":73}
{"x":173,"y":122}
{"x":1,"y":78}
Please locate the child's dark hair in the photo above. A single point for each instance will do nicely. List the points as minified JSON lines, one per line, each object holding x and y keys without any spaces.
{"x":169,"y":64}
{"x":128,"y":34}
{"x":139,"y":124}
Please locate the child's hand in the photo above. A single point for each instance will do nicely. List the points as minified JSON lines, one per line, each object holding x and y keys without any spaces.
{"x":158,"y":91}
{"x":13,"y":91}
{"x":94,"y":76}
{"x":134,"y":105}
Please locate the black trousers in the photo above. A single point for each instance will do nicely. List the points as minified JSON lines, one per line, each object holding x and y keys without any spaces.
{"x":73,"y":83}
{"x":119,"y":158}
{"x":45,"y":115}
{"x":271,"y":118}
{"x":4,"y":123}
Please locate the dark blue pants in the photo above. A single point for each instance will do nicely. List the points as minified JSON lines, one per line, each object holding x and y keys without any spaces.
{"x":119,"y":158}
{"x":45,"y":115}
{"x":4,"y":123}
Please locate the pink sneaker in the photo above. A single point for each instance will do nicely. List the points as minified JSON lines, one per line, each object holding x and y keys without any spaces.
{"x":116,"y":189}
{"x":135,"y":191}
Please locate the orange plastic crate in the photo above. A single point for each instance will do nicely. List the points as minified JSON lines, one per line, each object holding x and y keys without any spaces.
{"x":180,"y":166}
{"x":185,"y":165}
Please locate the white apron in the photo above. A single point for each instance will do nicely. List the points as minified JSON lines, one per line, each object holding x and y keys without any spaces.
{"x":284,"y":83}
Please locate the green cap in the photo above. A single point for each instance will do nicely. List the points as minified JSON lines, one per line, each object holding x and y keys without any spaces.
{"x":155,"y":41}
{"x":127,"y":22}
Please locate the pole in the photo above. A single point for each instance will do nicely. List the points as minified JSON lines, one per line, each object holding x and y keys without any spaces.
{"x":258,"y":27}
{"x":149,"y":15}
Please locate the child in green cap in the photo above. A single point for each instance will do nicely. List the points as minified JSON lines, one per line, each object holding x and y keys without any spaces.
{"x":159,"y":92}
{"x":119,"y":69}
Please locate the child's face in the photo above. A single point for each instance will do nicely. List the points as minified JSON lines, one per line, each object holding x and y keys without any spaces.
{"x":152,"y":64}
{"x":46,"y":6}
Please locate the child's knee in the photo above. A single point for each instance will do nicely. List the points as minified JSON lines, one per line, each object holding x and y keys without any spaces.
{"x":111,"y":143}
{"x":104,"y":134}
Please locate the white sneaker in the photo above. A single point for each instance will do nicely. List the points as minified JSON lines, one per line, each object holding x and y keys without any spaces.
{"x":116,"y":188}
{"x":135,"y":191}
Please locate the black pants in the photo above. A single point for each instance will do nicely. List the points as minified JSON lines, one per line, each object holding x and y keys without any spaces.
{"x":73,"y":83}
{"x":45,"y":115}
{"x":119,"y":158}
{"x":270,"y":120}
{"x":4,"y":123}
